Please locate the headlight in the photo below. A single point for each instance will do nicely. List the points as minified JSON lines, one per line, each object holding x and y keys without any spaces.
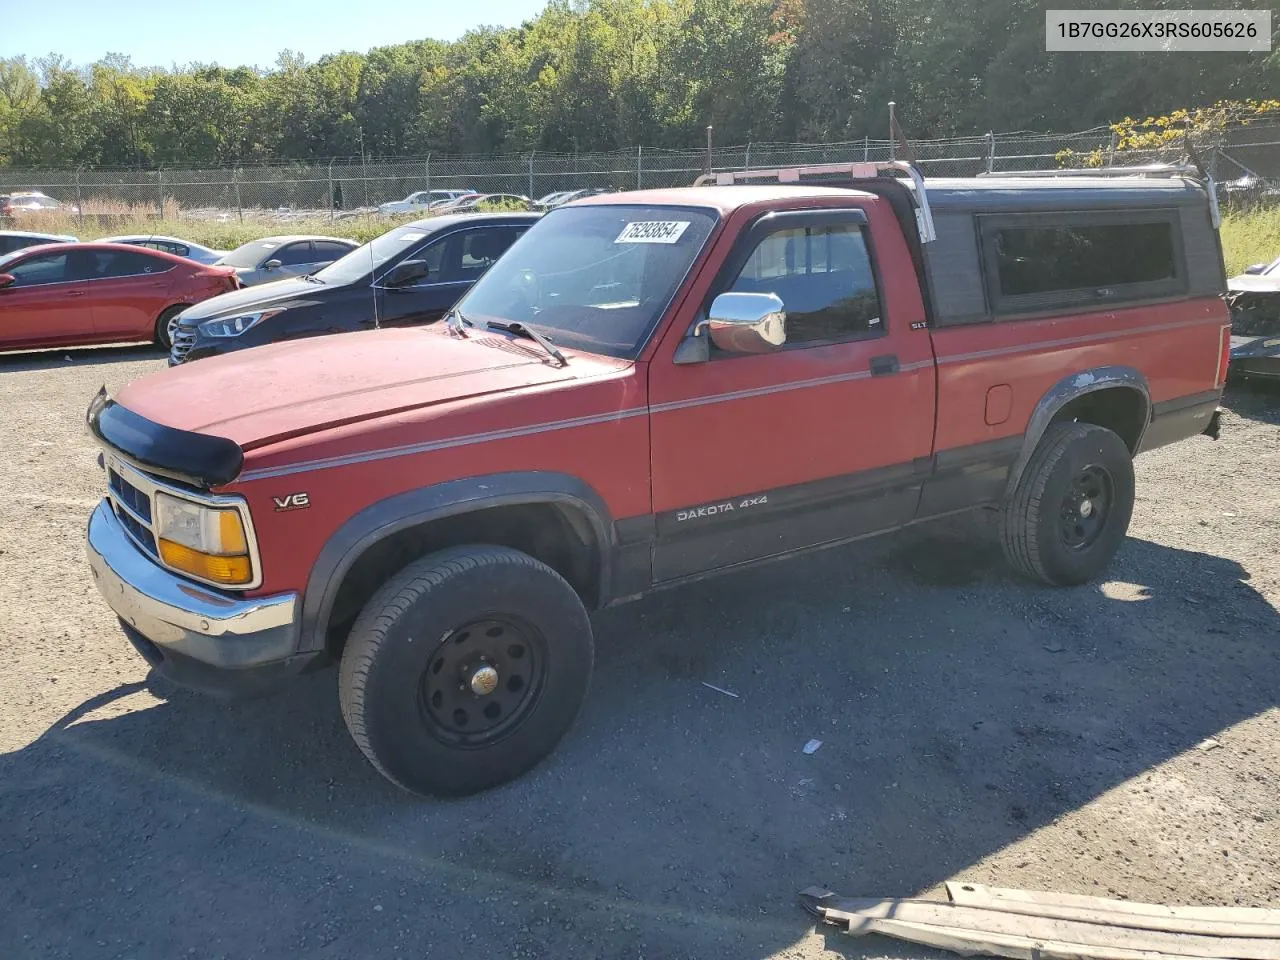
{"x":207,"y":542}
{"x":234,"y":326}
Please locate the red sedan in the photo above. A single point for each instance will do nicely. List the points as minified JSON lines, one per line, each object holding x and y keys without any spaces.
{"x":71,"y":293}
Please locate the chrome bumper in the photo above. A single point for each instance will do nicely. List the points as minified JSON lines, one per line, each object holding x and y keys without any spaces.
{"x":183,"y":618}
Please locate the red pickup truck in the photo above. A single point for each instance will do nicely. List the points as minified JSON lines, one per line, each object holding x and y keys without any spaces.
{"x":648,"y":388}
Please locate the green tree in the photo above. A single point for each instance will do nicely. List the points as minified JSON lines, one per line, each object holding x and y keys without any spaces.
{"x":609,"y":74}
{"x":19,"y":97}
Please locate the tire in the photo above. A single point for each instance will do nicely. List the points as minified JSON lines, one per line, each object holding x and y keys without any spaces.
{"x":1047,"y":530}
{"x":163,"y":340}
{"x":411,"y":682}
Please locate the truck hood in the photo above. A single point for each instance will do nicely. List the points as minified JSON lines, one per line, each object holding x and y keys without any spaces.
{"x":278,"y":293}
{"x":270,"y":393}
{"x":1253,"y":282}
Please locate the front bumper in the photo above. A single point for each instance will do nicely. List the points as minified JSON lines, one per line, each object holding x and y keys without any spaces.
{"x":191,"y":634}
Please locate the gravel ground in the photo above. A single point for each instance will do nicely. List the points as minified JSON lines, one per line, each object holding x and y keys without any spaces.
{"x":973,"y":726}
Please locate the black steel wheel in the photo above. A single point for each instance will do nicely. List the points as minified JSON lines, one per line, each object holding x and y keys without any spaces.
{"x":465,"y":669}
{"x":1071,"y":508}
{"x":1086,"y":506}
{"x":482,"y":681}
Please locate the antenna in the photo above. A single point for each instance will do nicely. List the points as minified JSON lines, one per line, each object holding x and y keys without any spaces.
{"x":373,"y":285}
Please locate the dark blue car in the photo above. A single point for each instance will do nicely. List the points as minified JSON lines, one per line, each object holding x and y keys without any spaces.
{"x":410,"y":275}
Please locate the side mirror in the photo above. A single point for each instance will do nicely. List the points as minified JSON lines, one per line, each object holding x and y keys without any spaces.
{"x":406,"y":272}
{"x":1255,"y":268}
{"x":7,"y":280}
{"x":747,"y":322}
{"x":272,"y":265}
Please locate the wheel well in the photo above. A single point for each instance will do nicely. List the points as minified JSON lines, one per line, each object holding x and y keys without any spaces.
{"x":1121,"y":410}
{"x":559,"y":536}
{"x":164,"y":315}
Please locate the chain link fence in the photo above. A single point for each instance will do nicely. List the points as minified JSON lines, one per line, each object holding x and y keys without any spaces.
{"x":1246,"y":160}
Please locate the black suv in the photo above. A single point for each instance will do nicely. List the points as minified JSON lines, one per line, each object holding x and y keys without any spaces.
{"x":412,"y":274}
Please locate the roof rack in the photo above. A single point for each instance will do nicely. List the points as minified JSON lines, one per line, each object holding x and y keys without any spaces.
{"x":854,"y":171}
{"x":1150,"y":169}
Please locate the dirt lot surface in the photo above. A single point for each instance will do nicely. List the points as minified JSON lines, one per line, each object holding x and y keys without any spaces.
{"x":973,"y":726}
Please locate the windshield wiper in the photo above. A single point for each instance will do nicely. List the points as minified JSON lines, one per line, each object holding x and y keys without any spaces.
{"x":520,"y":330}
{"x":311,"y":278}
{"x":455,"y":321}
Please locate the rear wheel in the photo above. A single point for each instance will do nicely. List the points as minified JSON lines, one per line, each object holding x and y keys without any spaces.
{"x":1071,"y":509}
{"x":465,"y":669}
{"x":167,"y":323}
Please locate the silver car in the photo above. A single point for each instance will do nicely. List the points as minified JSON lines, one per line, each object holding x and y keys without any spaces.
{"x":277,"y":258}
{"x":422,"y":200}
{"x":178,"y":247}
{"x":11,"y":240}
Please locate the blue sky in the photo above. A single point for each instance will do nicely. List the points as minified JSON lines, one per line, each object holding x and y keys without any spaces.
{"x":236,"y":32}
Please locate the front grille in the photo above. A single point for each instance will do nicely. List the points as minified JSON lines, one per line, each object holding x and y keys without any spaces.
{"x":133,"y":498}
{"x":140,"y":533}
{"x":183,"y":339}
{"x":133,"y":508}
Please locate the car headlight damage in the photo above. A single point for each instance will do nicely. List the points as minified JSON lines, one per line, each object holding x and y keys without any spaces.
{"x":234,"y":326}
{"x":208,"y":542}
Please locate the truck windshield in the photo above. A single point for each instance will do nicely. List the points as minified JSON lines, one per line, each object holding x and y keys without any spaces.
{"x":593,"y":277}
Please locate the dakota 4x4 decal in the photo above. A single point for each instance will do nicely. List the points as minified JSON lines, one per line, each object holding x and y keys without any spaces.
{"x":694,"y":513}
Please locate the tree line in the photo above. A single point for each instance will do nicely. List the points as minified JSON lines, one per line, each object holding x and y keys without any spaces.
{"x":606,"y":74}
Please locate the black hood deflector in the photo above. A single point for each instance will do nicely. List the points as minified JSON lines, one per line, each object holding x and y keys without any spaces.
{"x":195,"y":458}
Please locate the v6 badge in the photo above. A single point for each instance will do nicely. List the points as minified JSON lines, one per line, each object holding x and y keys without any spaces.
{"x":294,"y":501}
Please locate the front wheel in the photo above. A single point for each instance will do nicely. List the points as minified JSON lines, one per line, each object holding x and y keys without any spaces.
{"x":166,"y":324}
{"x":1072,"y":506}
{"x":465,"y":670}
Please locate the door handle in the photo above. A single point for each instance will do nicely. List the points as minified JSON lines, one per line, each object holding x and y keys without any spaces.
{"x":75,"y":293}
{"x":884,"y":365}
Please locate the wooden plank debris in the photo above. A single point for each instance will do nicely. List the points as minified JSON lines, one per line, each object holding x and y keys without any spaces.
{"x":1032,"y":925}
{"x":1216,"y":921}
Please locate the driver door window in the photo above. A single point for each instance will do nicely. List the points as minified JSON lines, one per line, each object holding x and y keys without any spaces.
{"x":823,"y":276}
{"x":49,"y":268}
{"x":108,"y":264}
{"x":433,"y":255}
{"x":477,"y":251}
{"x":326,"y":252}
{"x":293,"y":255}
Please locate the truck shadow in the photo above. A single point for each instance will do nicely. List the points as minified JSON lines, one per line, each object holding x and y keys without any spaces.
{"x":1254,"y":399}
{"x":78,"y":356}
{"x":959,"y":712}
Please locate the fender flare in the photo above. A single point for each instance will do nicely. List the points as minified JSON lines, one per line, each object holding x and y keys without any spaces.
{"x":451,"y":498}
{"x":1063,"y":392}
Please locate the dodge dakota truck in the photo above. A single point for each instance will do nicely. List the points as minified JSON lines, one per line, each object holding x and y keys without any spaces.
{"x":648,"y":388}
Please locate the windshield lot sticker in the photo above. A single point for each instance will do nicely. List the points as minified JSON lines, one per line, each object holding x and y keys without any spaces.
{"x":652,"y":231}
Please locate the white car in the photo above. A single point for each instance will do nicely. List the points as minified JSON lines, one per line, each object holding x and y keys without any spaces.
{"x":277,"y":258}
{"x":420,"y":200}
{"x":32,"y":201}
{"x":179,"y":248}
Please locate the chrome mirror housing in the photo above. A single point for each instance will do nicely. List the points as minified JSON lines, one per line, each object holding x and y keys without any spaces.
{"x":747,"y":322}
